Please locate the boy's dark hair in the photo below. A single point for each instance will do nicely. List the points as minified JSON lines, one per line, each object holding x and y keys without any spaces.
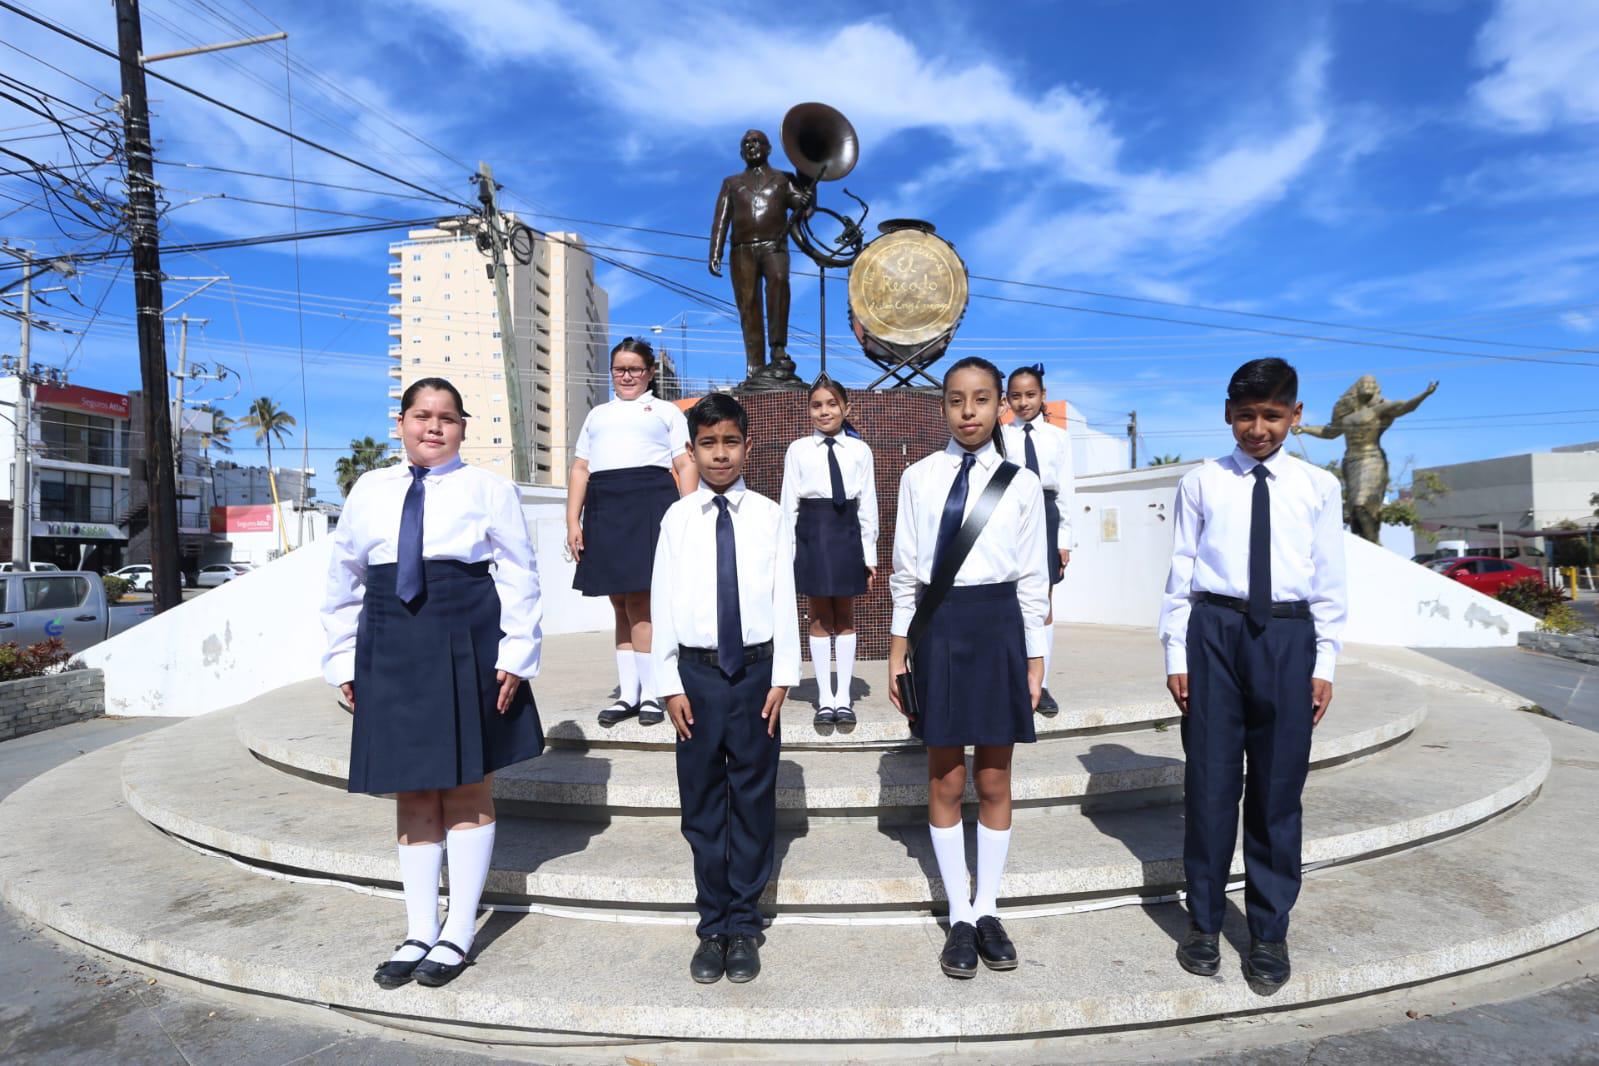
{"x":1272,"y":380}
{"x":443,"y":385}
{"x":717,"y":407}
{"x":977,"y":362}
{"x":639,"y":348}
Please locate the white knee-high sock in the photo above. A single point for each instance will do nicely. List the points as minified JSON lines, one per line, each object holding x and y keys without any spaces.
{"x":419,"y":874}
{"x":646,"y":675}
{"x":470,"y":851}
{"x":949,"y":848}
{"x":993,"y":845}
{"x":626,"y":676}
{"x":821,"y":654}
{"x":846,"y":668}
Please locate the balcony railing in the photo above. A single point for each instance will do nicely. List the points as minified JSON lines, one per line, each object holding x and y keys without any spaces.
{"x":396,"y":268}
{"x":395,"y":372}
{"x":75,"y":512}
{"x":395,"y":329}
{"x":79,"y":452}
{"x":396,"y":350}
{"x":395,"y":287}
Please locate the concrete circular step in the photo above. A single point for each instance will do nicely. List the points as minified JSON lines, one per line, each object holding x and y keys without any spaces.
{"x":1129,"y":768}
{"x":76,"y":858}
{"x":198,"y":782}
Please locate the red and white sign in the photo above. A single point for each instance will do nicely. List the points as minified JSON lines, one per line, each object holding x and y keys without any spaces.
{"x":78,"y":398}
{"x":245,"y":518}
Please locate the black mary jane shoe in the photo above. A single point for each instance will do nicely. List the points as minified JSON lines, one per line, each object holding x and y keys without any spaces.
{"x":959,"y":957}
{"x":824,"y":716}
{"x":743,"y":958}
{"x":435,"y":974}
{"x":650,"y":712}
{"x":709,"y":961}
{"x":993,"y":946}
{"x":1200,"y":952}
{"x":1047,"y":705}
{"x":394,"y":973}
{"x":844,"y":718}
{"x":617,"y":713}
{"x":1266,"y":967}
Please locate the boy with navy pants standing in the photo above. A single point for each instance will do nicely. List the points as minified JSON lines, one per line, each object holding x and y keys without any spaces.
{"x":726,"y":652}
{"x":1253,"y":609}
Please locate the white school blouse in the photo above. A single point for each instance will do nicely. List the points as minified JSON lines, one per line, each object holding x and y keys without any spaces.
{"x":806,"y":477}
{"x":683,"y":584}
{"x":621,"y":434}
{"x":1210,"y":549}
{"x":1054,"y":447}
{"x":1011,"y":547}
{"x":468,"y":514}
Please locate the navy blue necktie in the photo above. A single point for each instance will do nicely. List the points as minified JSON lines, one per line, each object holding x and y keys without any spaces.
{"x":408,"y":580}
{"x":834,"y":473}
{"x":1032,"y":453}
{"x":954,"y":509}
{"x":1260,"y":549}
{"x":729,"y":624}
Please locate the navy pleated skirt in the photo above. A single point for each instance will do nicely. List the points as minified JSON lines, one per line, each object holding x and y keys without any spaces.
{"x":622,"y":514}
{"x":828,"y":559}
{"x":425,"y":688}
{"x":971,"y":671}
{"x":1052,"y":516}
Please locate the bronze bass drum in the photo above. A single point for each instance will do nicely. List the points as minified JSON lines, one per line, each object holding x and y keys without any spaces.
{"x":907,"y":295}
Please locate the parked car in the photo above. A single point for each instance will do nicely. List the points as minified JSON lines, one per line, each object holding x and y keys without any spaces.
{"x":139,"y":577}
{"x":220,"y":574}
{"x":37,"y":568}
{"x":1486,"y":575}
{"x":69,"y":604}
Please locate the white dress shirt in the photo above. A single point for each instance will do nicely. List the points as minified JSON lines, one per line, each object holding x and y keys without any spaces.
{"x":621,"y":434}
{"x":1054,"y":447}
{"x":1010,"y":548}
{"x":806,"y":477}
{"x":1210,"y":551}
{"x":683,"y":585}
{"x":468,"y":514}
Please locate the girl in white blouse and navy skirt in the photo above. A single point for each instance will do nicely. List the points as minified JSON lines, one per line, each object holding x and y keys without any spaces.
{"x":632,"y":463}
{"x":979,"y":664}
{"x":829,"y":501}
{"x":433,"y":621}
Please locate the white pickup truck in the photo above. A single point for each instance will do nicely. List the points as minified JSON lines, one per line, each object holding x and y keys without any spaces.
{"x":69,"y":604}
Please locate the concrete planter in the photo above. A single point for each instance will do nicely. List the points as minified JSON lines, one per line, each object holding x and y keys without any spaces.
{"x":1577,"y":647}
{"x":36,"y":703}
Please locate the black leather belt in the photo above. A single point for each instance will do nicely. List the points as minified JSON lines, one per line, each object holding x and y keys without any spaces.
{"x":1050,"y":494}
{"x":753,"y":653}
{"x":1285,"y":609}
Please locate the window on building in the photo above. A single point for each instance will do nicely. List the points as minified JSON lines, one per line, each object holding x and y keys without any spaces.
{"x":497,"y":440}
{"x":542,"y":409}
{"x":416,"y":277}
{"x":416,"y":257}
{"x":416,"y":318}
{"x":496,"y":333}
{"x":416,"y":340}
{"x":446,"y":296}
{"x":446,"y":273}
{"x":446,"y":336}
{"x":446,"y":255}
{"x":497,"y":418}
{"x":446,"y":359}
{"x":73,"y":496}
{"x":416,"y":299}
{"x":77,"y":437}
{"x":498,"y":375}
{"x":416,"y":360}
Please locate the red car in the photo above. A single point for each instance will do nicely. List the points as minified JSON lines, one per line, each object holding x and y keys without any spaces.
{"x":1485,"y":574}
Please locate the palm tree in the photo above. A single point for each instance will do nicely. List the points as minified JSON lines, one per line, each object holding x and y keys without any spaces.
{"x":1165,"y":460}
{"x":219,"y":436}
{"x":271,"y":423}
{"x":365,"y":454}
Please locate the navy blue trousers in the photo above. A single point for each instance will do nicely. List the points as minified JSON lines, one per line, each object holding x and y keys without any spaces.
{"x":727,"y":785}
{"x":1248,"y":699}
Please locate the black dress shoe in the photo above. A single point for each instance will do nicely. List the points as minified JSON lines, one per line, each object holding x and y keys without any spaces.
{"x":650,"y":713}
{"x":394,"y":973}
{"x":1200,"y":953}
{"x":709,"y":960}
{"x":993,"y":946}
{"x":743,"y":958}
{"x":824,"y":716}
{"x":844,"y":718}
{"x":1047,"y":705}
{"x":435,"y":974}
{"x":620,"y":711}
{"x":959,"y":958}
{"x":1266,"y":966}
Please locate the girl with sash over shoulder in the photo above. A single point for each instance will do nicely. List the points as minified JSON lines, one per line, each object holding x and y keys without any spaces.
{"x":973,"y":656}
{"x":829,"y":501}
{"x":433,"y":620}
{"x":1045,"y":449}
{"x":632,"y":463}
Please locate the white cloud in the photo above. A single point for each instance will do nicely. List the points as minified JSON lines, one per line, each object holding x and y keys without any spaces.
{"x":1579,"y":322}
{"x":1542,"y":55}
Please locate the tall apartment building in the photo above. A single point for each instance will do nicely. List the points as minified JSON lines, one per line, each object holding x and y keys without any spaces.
{"x":446,"y":324}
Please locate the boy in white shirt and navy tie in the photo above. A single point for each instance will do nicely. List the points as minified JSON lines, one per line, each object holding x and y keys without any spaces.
{"x":1251,"y":619}
{"x":726,"y":652}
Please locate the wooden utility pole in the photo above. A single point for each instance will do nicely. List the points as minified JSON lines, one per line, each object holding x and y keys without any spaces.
{"x":1132,"y":436}
{"x":144,"y":239}
{"x":493,"y":228}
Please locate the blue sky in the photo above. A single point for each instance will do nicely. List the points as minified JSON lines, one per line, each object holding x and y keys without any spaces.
{"x":1427,"y":167}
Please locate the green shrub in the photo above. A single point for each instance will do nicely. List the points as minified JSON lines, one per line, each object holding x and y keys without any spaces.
{"x":1560,"y":619}
{"x":115,"y":587}
{"x":1532,"y":596}
{"x":36,"y":660}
